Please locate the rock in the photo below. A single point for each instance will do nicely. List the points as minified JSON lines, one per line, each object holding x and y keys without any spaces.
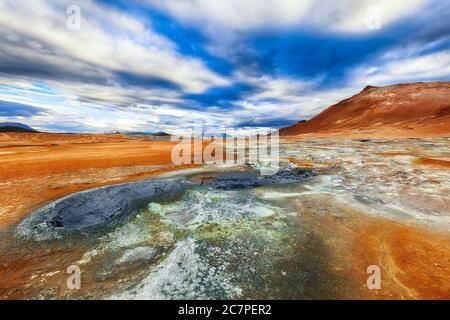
{"x":251,"y":179}
{"x":137,"y":254}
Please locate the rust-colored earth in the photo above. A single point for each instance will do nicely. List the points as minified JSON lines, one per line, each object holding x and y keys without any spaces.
{"x":395,"y":111}
{"x":36,"y":168}
{"x":433,"y":162}
{"x":414,"y":259}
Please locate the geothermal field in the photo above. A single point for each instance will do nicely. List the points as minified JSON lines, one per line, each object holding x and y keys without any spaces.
{"x":148,"y":230}
{"x":224,"y":158}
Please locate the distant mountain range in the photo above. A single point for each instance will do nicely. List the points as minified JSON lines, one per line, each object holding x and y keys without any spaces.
{"x":417,"y":107}
{"x":20,"y":127}
{"x":138,"y":133}
{"x":15,"y":127}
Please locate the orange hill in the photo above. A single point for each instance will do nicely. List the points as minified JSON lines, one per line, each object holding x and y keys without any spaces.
{"x":417,"y":108}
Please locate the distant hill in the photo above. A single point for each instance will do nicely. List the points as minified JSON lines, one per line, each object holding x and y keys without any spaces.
{"x":160,"y":134}
{"x":423,"y":107}
{"x":15,"y":127}
{"x":156,"y":134}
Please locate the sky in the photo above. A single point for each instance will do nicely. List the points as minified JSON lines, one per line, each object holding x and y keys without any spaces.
{"x":163,"y":65}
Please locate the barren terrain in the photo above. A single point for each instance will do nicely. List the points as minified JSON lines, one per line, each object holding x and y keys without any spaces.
{"x":38,"y":167}
{"x":363,"y":202}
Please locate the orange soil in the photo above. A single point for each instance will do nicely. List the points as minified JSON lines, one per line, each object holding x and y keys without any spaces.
{"x":414,"y":260}
{"x":393,"y":154}
{"x":38,"y":168}
{"x":433,"y":162}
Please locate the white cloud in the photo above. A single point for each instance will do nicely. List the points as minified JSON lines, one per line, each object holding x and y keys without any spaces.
{"x":356,"y":16}
{"x":108,"y":41}
{"x":410,"y":69}
{"x":236,"y":14}
{"x":252,"y":15}
{"x":102,"y":111}
{"x":302,"y":106}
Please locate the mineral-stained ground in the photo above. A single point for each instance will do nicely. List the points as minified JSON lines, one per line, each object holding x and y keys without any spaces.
{"x":310,"y":231}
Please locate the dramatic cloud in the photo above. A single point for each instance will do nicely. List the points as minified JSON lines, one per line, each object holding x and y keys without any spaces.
{"x":429,"y":67}
{"x":13,"y":109}
{"x":159,"y":65}
{"x":254,"y":15}
{"x":108,"y":46}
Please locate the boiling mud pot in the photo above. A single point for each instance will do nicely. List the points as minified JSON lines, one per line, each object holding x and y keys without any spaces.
{"x":200,"y":236}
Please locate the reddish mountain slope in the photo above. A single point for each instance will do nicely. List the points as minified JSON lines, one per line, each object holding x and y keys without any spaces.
{"x":421,"y":107}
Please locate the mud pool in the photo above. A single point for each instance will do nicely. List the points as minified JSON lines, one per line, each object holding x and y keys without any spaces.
{"x":229,"y":233}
